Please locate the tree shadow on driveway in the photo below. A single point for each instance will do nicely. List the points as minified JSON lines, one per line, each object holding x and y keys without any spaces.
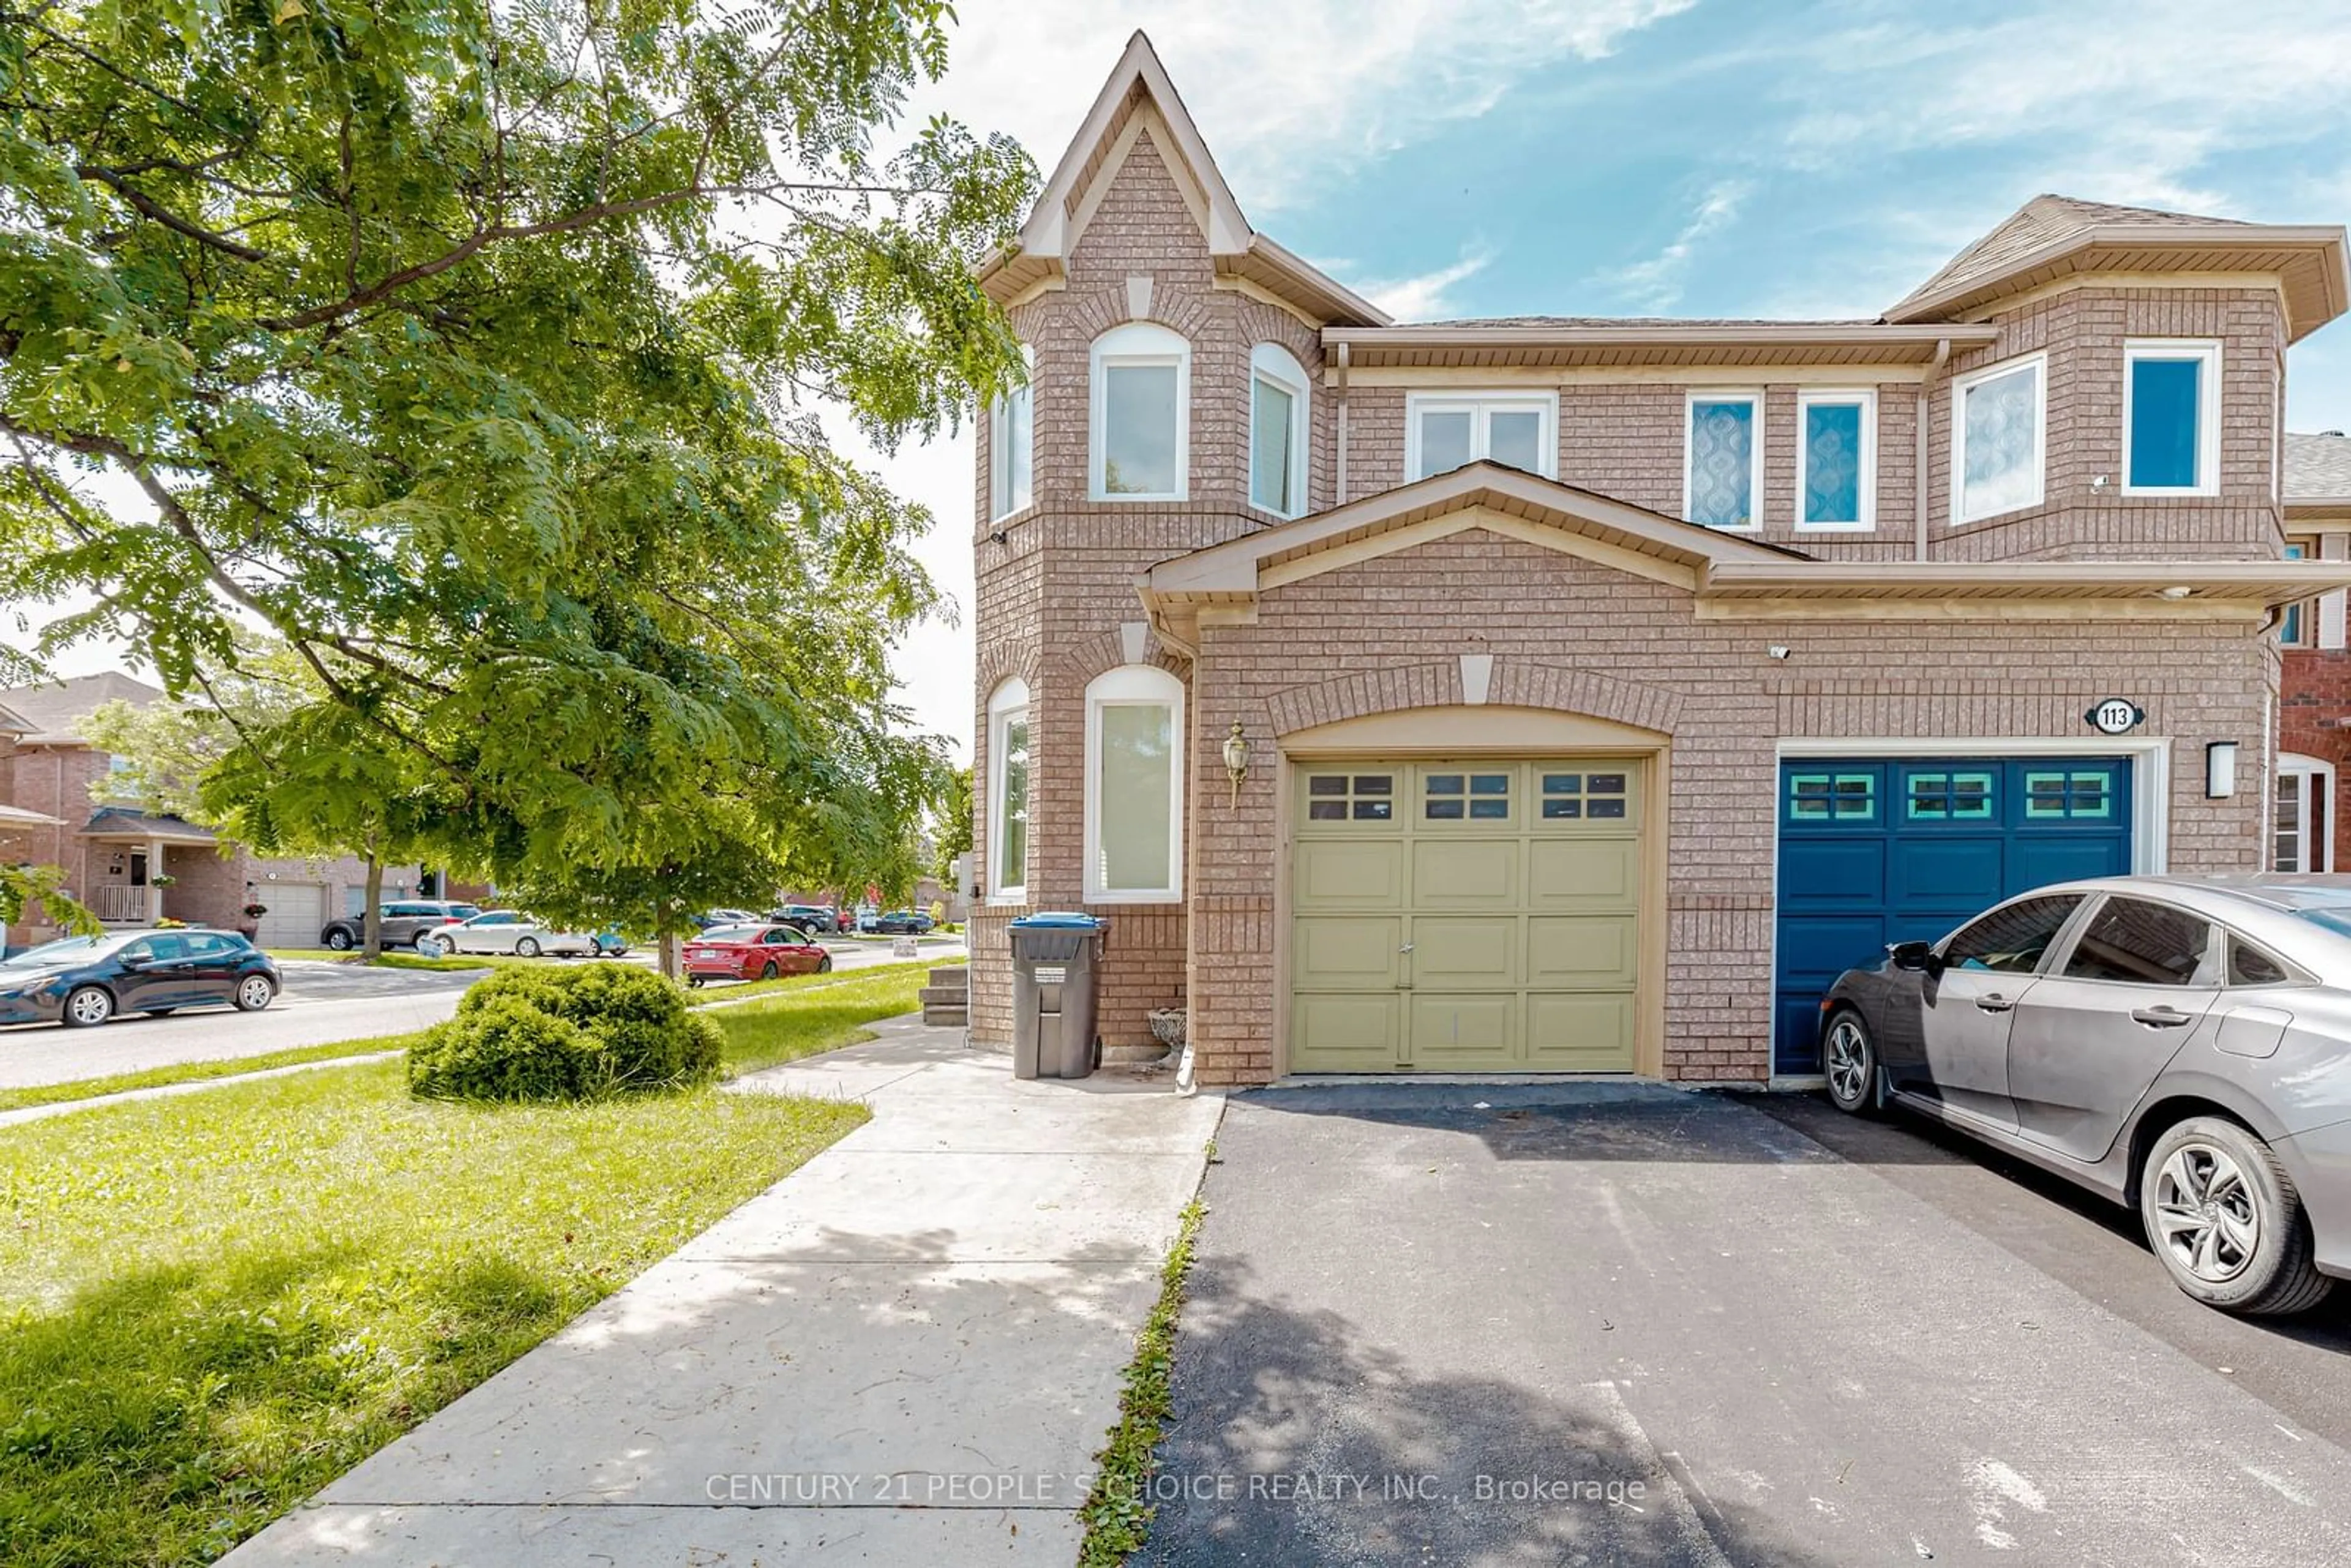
{"x":1294,"y":1440}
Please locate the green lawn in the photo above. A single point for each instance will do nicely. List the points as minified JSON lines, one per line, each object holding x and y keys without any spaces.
{"x":194,"y":1072}
{"x":822,"y":1017}
{"x":727,"y":992}
{"x":212,"y":1305}
{"x":402,"y":958}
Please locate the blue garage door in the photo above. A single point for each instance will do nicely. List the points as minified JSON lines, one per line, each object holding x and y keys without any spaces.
{"x":1873,"y":851}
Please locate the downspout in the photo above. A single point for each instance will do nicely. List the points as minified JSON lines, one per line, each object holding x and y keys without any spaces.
{"x":1341,"y":475}
{"x":1926,"y":404}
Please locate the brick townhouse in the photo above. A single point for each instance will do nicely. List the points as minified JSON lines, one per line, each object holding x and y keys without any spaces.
{"x":2307,"y":831}
{"x":131,"y":868}
{"x":1599,"y":688}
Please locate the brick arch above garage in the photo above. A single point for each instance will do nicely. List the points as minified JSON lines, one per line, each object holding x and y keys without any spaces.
{"x":1509,"y":683}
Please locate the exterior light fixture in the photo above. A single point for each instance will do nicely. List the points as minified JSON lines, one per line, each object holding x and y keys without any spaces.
{"x":2220,"y":769}
{"x":1236,"y":762}
{"x":2175,"y":593}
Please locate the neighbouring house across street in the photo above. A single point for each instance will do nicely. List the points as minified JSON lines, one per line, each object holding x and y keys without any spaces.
{"x":1596,"y":690}
{"x":131,"y":868}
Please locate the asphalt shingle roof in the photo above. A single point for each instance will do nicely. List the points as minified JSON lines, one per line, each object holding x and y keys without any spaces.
{"x":2317,"y":468}
{"x":2046,"y":220}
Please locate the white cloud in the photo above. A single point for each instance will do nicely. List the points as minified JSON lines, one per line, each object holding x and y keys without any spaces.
{"x":1288,"y":95}
{"x":1656,"y":283}
{"x":1427,"y":297}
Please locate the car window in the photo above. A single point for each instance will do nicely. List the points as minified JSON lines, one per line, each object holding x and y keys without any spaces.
{"x":463,"y":911}
{"x":2012,"y":939}
{"x":796,"y":937}
{"x":165,"y":948}
{"x":2145,"y":943}
{"x":2249,"y":966}
{"x":204,"y":945}
{"x":497,"y":919}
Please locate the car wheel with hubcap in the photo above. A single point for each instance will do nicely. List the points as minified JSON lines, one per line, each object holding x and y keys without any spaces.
{"x":2225,"y":1221}
{"x":1849,"y":1060}
{"x":767,"y":971}
{"x":824,"y":964}
{"x":87,"y":1007}
{"x":254,"y":993}
{"x":340,"y":941}
{"x":527,"y":947}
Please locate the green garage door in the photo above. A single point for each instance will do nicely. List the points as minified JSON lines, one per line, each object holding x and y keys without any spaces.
{"x":1464,"y":916}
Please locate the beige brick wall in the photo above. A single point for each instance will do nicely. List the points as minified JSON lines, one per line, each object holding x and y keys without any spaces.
{"x":1559,"y":625}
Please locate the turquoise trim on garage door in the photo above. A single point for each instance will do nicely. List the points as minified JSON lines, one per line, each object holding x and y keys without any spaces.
{"x":1873,"y":851}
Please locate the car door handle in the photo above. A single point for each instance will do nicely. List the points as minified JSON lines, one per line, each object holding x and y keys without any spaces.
{"x":2160,"y":1018}
{"x":1994,"y":1003}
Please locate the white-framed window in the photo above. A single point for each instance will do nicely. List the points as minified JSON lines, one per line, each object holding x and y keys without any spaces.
{"x":1836,"y":460}
{"x":2172,"y":416}
{"x":1445,"y":431}
{"x":1999,"y":438}
{"x":1134,"y":786}
{"x":1142,"y":416}
{"x":1012,"y":446}
{"x":1008,"y":793}
{"x":1280,"y":401}
{"x":1722,"y":459}
{"x":2302,"y":834}
{"x":2294,"y":622}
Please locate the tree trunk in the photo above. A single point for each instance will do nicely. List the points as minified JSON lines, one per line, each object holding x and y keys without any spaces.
{"x":671,"y":949}
{"x":371,"y":915}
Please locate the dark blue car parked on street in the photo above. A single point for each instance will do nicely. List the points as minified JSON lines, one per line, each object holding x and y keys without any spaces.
{"x":80,"y":981}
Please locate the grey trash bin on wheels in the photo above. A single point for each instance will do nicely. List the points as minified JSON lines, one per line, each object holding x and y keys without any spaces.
{"x":1055,"y":967}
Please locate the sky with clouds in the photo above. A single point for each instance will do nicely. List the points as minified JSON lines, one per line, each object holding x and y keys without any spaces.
{"x":1805,"y":158}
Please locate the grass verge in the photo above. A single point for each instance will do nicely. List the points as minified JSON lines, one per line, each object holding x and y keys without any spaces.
{"x":194,"y":1072}
{"x":820,"y":1017}
{"x":1116,"y":1517}
{"x":402,"y":959}
{"x":729,"y":991}
{"x":210,"y":1306}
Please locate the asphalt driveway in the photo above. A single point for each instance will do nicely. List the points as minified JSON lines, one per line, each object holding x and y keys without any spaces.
{"x":1626,"y":1325}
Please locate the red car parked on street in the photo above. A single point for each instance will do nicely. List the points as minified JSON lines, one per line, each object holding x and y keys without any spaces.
{"x":753,"y":953}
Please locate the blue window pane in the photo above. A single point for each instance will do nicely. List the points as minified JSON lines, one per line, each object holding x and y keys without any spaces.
{"x":1722,"y":463}
{"x":1833,"y":462}
{"x":2164,"y":394}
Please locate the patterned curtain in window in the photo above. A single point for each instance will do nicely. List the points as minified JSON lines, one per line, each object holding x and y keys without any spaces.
{"x":2003,"y":421}
{"x":1722,"y":463}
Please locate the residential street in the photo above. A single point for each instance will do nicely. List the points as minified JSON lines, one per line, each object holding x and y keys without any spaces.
{"x":1802,"y":1339}
{"x":322,"y":1003}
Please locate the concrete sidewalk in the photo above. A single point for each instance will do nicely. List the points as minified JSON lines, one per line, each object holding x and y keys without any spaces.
{"x":908,"y":1350}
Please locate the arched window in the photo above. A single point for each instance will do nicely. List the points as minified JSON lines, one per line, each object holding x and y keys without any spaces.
{"x":1008,"y":793}
{"x":1279,"y":404}
{"x":1142,"y":394}
{"x":1134,"y":786}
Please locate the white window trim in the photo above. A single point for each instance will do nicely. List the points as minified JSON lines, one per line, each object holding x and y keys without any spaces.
{"x":1134,"y":685}
{"x":1273,"y":362}
{"x":2316,"y":775}
{"x":1010,"y":700}
{"x":1866,"y":397}
{"x":2208,"y":411}
{"x":1481,"y":406}
{"x":999,"y":444}
{"x":2039,"y":364}
{"x":2305,"y":612}
{"x":1138,"y":344}
{"x":1753,"y":398}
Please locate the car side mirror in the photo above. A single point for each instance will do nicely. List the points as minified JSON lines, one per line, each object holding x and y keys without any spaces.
{"x":1915,"y":955}
{"x":133,"y":960}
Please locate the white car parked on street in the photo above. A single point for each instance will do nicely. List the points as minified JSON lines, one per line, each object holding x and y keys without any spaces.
{"x":502,"y":931}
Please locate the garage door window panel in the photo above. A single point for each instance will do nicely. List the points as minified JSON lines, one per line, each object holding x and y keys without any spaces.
{"x":1957,"y":797}
{"x":1350,"y":797}
{"x":1466,"y":796}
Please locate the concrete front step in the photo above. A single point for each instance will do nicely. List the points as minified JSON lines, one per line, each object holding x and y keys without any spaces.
{"x":1134,"y":1055}
{"x":944,"y":996}
{"x":955,"y":975}
{"x":942,"y":1016}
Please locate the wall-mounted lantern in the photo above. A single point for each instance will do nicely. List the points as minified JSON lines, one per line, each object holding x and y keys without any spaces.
{"x":2220,"y":769}
{"x":1236,"y":762}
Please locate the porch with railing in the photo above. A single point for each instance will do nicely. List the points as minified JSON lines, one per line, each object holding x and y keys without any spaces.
{"x":121,"y":902}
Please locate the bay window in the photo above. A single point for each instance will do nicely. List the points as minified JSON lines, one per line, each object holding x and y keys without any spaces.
{"x":1277,"y":431}
{"x":1444,"y":432}
{"x":1722,"y":460}
{"x":2171,"y":425}
{"x":1008,"y":793}
{"x":1141,"y":396}
{"x":1010,"y":443}
{"x":1836,"y":459}
{"x":1998,"y":439}
{"x":1134,"y":786}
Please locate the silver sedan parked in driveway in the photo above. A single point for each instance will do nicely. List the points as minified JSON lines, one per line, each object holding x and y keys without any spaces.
{"x":2182,"y":1045}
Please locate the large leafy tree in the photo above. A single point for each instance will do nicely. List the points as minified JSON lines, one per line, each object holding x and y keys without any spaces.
{"x":469,"y":349}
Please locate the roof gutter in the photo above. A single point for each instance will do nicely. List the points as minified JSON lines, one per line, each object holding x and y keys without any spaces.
{"x":1342,"y":385}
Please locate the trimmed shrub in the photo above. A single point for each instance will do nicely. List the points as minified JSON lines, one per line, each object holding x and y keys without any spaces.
{"x":586,"y":1033}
